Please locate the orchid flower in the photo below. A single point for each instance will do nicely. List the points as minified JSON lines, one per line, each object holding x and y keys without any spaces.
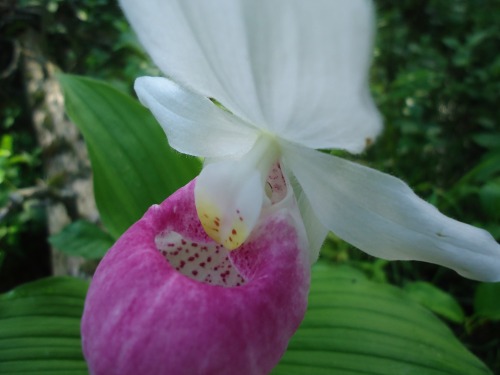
{"x":256,"y":87}
{"x":166,"y":299}
{"x":292,"y":77}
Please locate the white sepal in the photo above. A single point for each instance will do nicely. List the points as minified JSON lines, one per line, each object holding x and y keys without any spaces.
{"x":298,"y":69}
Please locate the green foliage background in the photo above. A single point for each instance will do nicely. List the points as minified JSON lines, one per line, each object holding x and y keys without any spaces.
{"x":435,"y":77}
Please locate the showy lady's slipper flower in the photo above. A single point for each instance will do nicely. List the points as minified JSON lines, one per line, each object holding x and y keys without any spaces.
{"x":166,"y":299}
{"x":292,"y":77}
{"x":256,"y":87}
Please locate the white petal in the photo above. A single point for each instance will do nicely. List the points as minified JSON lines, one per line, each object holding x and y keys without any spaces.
{"x":316,"y":231}
{"x":297,"y":68}
{"x":193,"y":124}
{"x":382,"y":216}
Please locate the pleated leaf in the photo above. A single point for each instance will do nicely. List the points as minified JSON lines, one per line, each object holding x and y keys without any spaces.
{"x":355,"y":326}
{"x":40,"y":328}
{"x":133,"y":165}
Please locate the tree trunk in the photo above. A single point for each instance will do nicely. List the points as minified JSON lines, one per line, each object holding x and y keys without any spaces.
{"x":68,"y":179}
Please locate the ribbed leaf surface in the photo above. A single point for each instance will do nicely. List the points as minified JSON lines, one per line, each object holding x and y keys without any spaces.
{"x":40,"y":328}
{"x":355,"y":326}
{"x":133,"y":165}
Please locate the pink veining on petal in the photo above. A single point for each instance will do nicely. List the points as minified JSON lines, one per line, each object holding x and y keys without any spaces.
{"x":277,"y":183}
{"x":144,"y":316}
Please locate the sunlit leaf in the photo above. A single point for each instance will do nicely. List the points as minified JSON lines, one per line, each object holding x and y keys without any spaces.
{"x":355,"y":326}
{"x":40,"y":328}
{"x":133,"y":165}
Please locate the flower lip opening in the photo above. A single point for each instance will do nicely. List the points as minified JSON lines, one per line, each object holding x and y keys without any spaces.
{"x":205,"y":262}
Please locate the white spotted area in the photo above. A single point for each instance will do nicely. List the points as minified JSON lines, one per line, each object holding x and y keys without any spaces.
{"x":205,"y":262}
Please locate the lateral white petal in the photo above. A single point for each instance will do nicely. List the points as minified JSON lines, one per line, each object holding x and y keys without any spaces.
{"x":193,"y":124}
{"x":316,"y":231}
{"x":296,"y":68}
{"x":382,"y":216}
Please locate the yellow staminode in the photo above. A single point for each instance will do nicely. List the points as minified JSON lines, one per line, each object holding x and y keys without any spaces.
{"x":229,"y":194}
{"x":231,"y":234}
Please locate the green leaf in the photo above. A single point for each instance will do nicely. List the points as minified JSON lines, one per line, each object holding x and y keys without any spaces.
{"x":487,"y":301}
{"x":355,"y":326}
{"x":488,"y":167}
{"x":40,"y":328}
{"x":133,"y":165}
{"x":489,"y":196}
{"x":489,"y":140}
{"x":435,"y":300}
{"x":82,"y":238}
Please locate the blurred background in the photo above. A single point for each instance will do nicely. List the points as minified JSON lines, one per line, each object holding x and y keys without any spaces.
{"x":435,"y":77}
